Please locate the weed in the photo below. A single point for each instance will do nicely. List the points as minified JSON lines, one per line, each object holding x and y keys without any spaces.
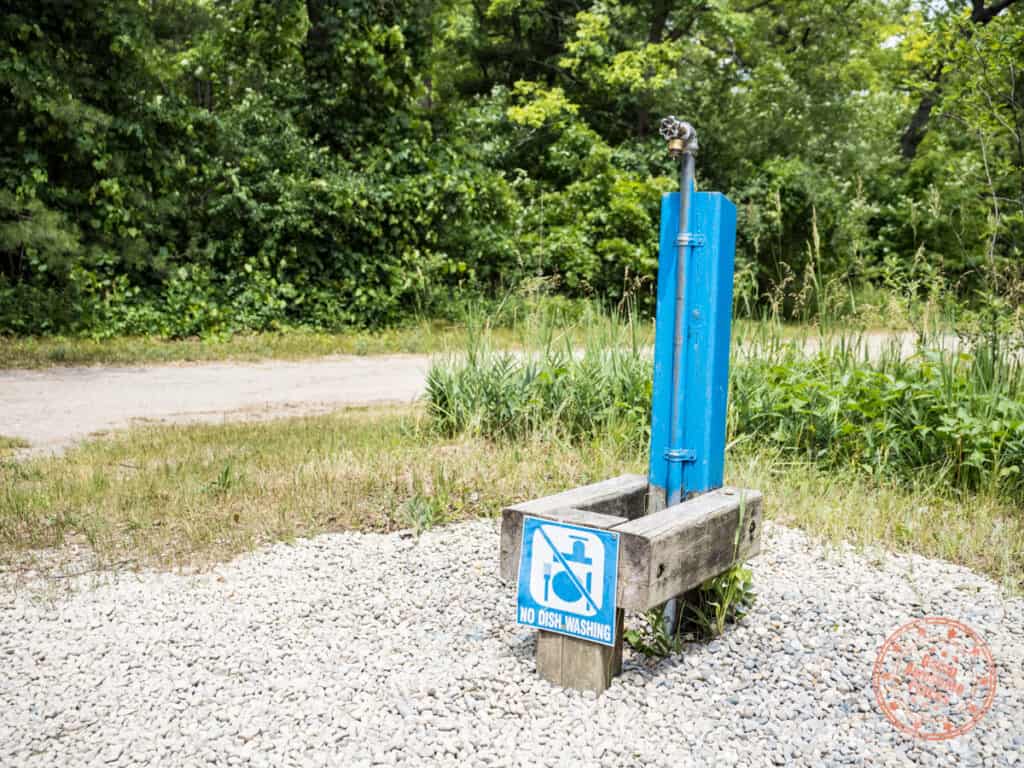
{"x":223,"y":483}
{"x":650,"y":637}
{"x":719,"y":600}
{"x":422,"y":512}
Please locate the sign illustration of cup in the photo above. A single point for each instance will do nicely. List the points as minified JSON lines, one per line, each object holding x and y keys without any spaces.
{"x":567,"y":568}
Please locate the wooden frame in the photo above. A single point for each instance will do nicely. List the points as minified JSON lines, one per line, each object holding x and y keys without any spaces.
{"x":661,"y":555}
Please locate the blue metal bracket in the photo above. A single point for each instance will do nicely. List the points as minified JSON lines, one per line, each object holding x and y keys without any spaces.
{"x":680,"y":454}
{"x":690,"y":240}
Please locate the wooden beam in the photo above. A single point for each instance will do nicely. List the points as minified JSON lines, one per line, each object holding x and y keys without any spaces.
{"x":600,"y":505}
{"x":661,"y":555}
{"x":579,"y":664}
{"x":512,"y":532}
{"x":669,"y":552}
{"x":624,"y":496}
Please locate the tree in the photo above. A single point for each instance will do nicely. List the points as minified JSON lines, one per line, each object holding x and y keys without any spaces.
{"x":938,"y":67}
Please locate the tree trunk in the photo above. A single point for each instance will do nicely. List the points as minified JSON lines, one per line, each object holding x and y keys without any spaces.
{"x":918,"y":127}
{"x":655,"y":35}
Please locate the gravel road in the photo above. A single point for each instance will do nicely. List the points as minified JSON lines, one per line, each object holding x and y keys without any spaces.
{"x":57,"y":407}
{"x":54,"y":408}
{"x":358,"y":650}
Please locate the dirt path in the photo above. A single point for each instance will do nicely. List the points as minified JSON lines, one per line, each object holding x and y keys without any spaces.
{"x":54,"y":408}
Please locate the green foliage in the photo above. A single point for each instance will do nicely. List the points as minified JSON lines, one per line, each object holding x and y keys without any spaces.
{"x":957,"y":416}
{"x":650,"y":636}
{"x":184,"y":167}
{"x":219,"y":195}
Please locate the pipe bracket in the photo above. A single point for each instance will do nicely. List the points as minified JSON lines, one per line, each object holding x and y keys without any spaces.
{"x":691,"y":240}
{"x":681,"y":455}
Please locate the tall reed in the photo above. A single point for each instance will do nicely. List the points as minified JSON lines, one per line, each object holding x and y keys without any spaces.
{"x":578,"y":380}
{"x":954,"y":411}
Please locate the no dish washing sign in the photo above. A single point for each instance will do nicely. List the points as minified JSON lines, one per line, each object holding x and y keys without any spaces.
{"x":567,"y":580}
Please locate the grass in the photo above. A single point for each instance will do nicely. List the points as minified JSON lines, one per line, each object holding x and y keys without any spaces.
{"x":982,"y":531}
{"x":171,"y":496}
{"x":509,"y":323}
{"x":189,"y":495}
{"x":9,"y":445}
{"x":921,"y":453}
{"x":912,"y":456}
{"x":958,"y":415}
{"x":513,"y":321}
{"x":48,"y":351}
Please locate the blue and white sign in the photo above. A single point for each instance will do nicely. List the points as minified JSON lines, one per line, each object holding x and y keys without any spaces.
{"x":568,"y":580}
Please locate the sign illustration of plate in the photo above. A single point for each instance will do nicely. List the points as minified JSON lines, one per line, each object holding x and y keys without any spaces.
{"x":567,"y":580}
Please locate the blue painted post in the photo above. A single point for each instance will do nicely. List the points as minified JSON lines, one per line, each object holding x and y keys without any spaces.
{"x":697,"y":463}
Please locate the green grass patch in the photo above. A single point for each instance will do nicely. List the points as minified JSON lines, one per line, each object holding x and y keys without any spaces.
{"x":959,"y":417}
{"x":507,"y":330}
{"x":918,"y":454}
{"x":48,"y":351}
{"x":981,"y":530}
{"x":10,"y":444}
{"x":509,"y":324}
{"x":170,"y":496}
{"x":173,"y":495}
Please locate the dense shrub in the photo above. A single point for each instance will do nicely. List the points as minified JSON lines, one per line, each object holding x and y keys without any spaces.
{"x":959,"y":417}
{"x":186,"y":167}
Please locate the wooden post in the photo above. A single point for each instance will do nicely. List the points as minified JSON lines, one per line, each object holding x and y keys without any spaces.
{"x":580,"y":664}
{"x":661,"y":555}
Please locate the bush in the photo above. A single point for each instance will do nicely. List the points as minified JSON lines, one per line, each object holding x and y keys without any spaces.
{"x":605,"y":387}
{"x":957,"y":416}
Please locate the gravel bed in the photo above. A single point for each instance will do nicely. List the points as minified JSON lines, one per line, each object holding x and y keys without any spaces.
{"x":358,"y":650}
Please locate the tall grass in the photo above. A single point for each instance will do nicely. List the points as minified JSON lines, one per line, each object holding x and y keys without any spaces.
{"x":956,"y":414}
{"x":578,"y":381}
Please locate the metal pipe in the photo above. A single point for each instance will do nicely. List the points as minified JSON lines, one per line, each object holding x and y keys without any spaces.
{"x":675,"y":468}
{"x":682,"y":142}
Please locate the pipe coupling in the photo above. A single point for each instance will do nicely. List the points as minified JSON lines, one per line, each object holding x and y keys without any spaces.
{"x":680,"y":135}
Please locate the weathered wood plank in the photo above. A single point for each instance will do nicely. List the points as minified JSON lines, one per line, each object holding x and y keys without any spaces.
{"x":579,"y":664}
{"x":669,"y":552}
{"x":600,"y":505}
{"x":549,"y":656}
{"x":661,"y":555}
{"x":617,"y":496}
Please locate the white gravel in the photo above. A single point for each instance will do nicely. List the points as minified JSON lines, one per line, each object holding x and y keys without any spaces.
{"x":355,"y":650}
